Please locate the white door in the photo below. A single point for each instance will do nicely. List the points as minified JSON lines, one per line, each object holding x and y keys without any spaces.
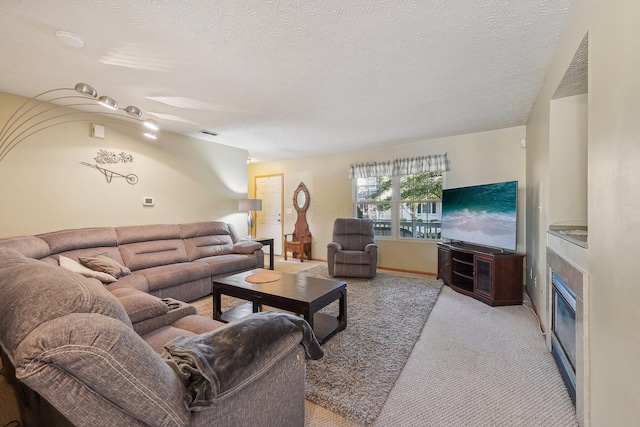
{"x":269,"y":219}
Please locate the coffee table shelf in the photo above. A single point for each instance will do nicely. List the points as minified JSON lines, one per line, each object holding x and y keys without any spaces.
{"x":324,"y":326}
{"x":298,"y":294}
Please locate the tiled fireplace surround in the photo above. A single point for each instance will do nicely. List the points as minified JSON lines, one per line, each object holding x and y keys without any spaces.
{"x":569,"y":262}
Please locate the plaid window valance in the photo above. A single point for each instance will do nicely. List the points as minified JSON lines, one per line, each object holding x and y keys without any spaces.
{"x":400,"y":167}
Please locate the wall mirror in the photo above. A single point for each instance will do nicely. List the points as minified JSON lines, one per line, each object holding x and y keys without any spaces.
{"x":301,"y":198}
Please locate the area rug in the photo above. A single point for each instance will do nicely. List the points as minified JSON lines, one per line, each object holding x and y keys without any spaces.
{"x":386,"y":316}
{"x":361,"y":364}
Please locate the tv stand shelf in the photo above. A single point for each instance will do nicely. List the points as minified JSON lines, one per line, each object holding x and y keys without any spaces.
{"x":488,"y":275}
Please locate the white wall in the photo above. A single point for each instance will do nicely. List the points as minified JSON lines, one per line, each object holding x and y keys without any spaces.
{"x":477,"y":158}
{"x":614,"y":210}
{"x":568,"y":160}
{"x":613,"y":203}
{"x":45,"y":188}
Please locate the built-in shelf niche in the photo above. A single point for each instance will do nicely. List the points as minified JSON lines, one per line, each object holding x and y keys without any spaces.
{"x":568,"y":179}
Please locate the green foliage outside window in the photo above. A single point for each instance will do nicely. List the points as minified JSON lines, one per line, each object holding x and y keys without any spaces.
{"x":417,"y":192}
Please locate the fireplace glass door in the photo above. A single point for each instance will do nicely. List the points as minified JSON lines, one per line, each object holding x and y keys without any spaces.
{"x":563,"y":327}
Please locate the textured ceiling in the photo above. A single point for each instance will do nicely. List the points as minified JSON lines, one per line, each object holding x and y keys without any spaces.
{"x":576,"y":79}
{"x":286,"y":79}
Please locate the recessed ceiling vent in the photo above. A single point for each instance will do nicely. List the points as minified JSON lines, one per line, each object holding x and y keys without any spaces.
{"x":209,"y":132}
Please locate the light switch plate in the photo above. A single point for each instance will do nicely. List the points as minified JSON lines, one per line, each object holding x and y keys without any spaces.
{"x":148,"y":201}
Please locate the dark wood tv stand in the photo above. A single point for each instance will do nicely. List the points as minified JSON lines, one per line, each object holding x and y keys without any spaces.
{"x":488,"y":275}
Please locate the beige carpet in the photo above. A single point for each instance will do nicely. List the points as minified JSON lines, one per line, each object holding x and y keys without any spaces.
{"x":476,"y":365}
{"x":386,"y":316}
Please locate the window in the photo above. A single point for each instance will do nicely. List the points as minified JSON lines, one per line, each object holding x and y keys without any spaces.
{"x":403,"y":196}
{"x":420,"y":205}
{"x":373,"y":201}
{"x":416,"y":198}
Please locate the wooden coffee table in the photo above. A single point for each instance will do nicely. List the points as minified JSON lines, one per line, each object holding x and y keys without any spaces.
{"x":294,"y":293}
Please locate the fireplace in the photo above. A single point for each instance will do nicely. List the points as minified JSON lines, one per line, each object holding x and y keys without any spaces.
{"x":568,"y":319}
{"x":563,"y":331}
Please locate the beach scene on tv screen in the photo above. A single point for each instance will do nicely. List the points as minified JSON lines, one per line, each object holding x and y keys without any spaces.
{"x":484,"y":214}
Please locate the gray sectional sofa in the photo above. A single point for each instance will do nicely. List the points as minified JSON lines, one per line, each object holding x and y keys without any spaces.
{"x":166,"y":260}
{"x":89,"y":353}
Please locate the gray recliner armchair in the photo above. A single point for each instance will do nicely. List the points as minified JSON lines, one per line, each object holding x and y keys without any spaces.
{"x":353,"y":251}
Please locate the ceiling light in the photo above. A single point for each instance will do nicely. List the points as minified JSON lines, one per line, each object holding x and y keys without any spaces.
{"x":108,"y":102}
{"x":151,"y":124}
{"x":86,"y":89}
{"x":69,"y":39}
{"x":133,"y":111}
{"x":46,"y":110}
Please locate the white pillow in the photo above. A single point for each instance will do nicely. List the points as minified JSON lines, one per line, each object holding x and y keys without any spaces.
{"x":76,"y":267}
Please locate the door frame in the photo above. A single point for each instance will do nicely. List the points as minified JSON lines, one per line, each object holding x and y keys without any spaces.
{"x":255,"y":192}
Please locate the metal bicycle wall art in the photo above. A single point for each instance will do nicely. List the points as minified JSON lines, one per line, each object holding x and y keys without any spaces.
{"x":113,"y":165}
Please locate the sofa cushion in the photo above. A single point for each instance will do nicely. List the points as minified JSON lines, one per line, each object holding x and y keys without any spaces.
{"x":353,"y":233}
{"x":75,"y":254}
{"x":146,"y":233}
{"x":105,"y":264}
{"x":352,"y":257}
{"x":76,"y":267}
{"x":232,"y":263}
{"x":133,"y":281}
{"x":153,"y":253}
{"x":30,"y":246}
{"x":206,"y":228}
{"x":173,"y":316}
{"x":82,"y":238}
{"x":206,"y":246}
{"x":140,"y":305}
{"x":165,"y":276}
{"x":49,"y":292}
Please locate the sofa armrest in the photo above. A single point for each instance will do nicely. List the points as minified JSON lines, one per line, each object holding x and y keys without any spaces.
{"x":217,"y":362}
{"x":332,"y":248}
{"x":140,"y":305}
{"x":246,"y":247}
{"x":135,"y":281}
{"x":276,"y":395}
{"x":148,"y":312}
{"x":104,"y":368}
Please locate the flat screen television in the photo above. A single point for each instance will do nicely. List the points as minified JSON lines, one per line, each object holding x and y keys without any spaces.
{"x":481,"y":214}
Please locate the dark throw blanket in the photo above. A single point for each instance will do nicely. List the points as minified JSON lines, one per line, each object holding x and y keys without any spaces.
{"x":208,"y":363}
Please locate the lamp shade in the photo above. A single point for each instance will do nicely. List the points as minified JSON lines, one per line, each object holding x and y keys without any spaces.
{"x":250,"y":205}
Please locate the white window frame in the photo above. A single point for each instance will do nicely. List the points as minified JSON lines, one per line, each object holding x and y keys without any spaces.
{"x":395,"y":208}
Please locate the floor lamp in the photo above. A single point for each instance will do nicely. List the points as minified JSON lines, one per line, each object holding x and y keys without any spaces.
{"x":250,"y":205}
